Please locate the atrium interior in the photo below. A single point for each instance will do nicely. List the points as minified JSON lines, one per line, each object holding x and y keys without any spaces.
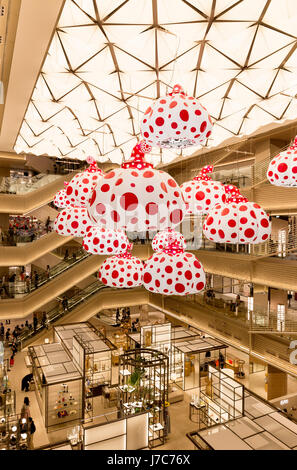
{"x":148,"y":225}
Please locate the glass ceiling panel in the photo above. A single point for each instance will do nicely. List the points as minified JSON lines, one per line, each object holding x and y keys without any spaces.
{"x":108,"y":59}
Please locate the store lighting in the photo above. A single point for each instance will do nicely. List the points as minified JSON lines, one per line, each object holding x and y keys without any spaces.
{"x":282,"y":170}
{"x":173,"y":272}
{"x":61,"y":199}
{"x":80,"y":189}
{"x":102,"y":241}
{"x":122,"y":271}
{"x":136,"y":197}
{"x":237,"y":221}
{"x":162,"y":239}
{"x":202,"y":193}
{"x":73,"y":221}
{"x":176,"y":121}
{"x":98,"y":79}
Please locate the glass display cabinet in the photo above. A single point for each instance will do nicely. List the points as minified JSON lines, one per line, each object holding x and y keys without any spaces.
{"x":143,"y":386}
{"x":190,"y":359}
{"x":58,"y":385}
{"x":221,"y":399}
{"x":92,"y":353}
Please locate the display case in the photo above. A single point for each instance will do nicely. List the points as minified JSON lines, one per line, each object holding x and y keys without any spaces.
{"x":92,"y":353}
{"x":13,"y":433}
{"x":190,"y":359}
{"x":222,"y":399}
{"x":143,"y":386}
{"x":58,"y":385}
{"x":7,"y":403}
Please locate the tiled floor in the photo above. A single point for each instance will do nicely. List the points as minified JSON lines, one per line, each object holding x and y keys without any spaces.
{"x":179,"y":412}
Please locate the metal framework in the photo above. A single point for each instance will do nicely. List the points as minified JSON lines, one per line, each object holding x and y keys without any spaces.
{"x":109,"y":59}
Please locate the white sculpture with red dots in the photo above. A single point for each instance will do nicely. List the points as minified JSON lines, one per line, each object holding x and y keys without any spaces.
{"x":102,"y":241}
{"x":237,"y":221}
{"x":202,"y":193}
{"x":73,"y":221}
{"x":174,"y":272}
{"x":176,"y":121}
{"x":136,"y":197}
{"x":122,"y":271}
{"x":162,"y":239}
{"x":282,"y":170}
{"x":60,"y":200}
{"x":80,"y":188}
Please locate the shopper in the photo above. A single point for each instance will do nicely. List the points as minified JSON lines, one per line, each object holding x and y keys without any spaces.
{"x":35,"y":322}
{"x":48,"y":271}
{"x":2,"y":331}
{"x":11,"y":362}
{"x":31,"y":431}
{"x":66,"y":255}
{"x":36,"y":279}
{"x":7,"y":335}
{"x":25,"y":385}
{"x":47,"y":224}
{"x":25,"y":411}
{"x":65,"y":303}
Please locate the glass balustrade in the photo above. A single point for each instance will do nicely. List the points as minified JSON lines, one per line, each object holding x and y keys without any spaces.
{"x":20,"y":288}
{"x":59,"y":311}
{"x":25,"y":184}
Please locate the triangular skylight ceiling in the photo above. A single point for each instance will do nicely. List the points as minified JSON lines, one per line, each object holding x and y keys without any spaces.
{"x":110,"y":58}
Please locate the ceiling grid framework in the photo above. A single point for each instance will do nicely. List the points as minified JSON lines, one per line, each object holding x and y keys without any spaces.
{"x":110,"y":58}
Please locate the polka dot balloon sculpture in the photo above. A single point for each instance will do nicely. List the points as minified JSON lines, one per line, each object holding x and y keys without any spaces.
{"x":282,"y":170}
{"x":80,"y":188}
{"x":237,"y":221}
{"x":202,"y":193}
{"x":136,"y":197}
{"x":162,"y":239}
{"x":101,"y":241}
{"x":173,"y":272}
{"x":121,"y":271}
{"x":176,"y":121}
{"x":73,"y":221}
{"x":60,"y":200}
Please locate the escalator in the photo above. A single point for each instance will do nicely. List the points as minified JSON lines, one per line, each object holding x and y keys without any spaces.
{"x":29,"y":252}
{"x":20,"y":288}
{"x":85,"y":304}
{"x":15,"y":199}
{"x":60,"y":283}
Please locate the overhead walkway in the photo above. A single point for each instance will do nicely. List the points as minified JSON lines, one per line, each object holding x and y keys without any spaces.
{"x":20,"y":308}
{"x":33,"y":199}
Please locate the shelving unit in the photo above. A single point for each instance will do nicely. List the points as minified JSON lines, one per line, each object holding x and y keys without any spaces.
{"x":92,"y":354}
{"x":58,"y":385}
{"x":143,"y":386}
{"x":222,"y":397}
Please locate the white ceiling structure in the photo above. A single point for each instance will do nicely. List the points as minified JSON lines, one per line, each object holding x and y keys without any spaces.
{"x":109,"y":58}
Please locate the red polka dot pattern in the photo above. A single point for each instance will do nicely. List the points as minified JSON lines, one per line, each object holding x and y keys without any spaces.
{"x":162,"y":239}
{"x":176,"y":121}
{"x":137,"y":200}
{"x":243,"y":223}
{"x":101,"y":241}
{"x":60,"y":199}
{"x":122,"y":271}
{"x":73,"y":221}
{"x":178,"y":274}
{"x":282,"y":170}
{"x":80,"y":188}
{"x":200,"y":196}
